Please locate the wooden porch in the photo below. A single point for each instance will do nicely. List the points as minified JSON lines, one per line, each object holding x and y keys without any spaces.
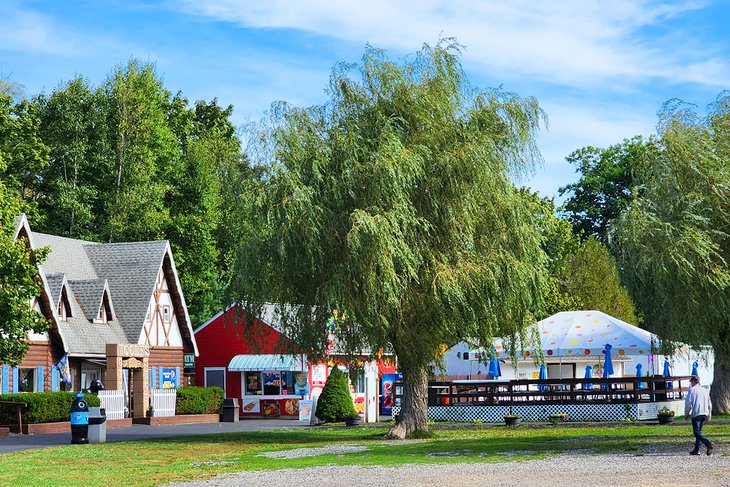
{"x":557,"y":391}
{"x":611,"y":399}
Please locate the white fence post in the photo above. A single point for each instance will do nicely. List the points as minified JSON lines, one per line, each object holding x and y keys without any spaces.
{"x":113,"y":402}
{"x":163,"y":401}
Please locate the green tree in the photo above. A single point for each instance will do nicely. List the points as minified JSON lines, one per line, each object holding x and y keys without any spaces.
{"x":24,"y":153}
{"x":19,"y":279}
{"x":335,"y":403}
{"x":145,"y":155}
{"x":673,"y":242}
{"x":73,"y":125}
{"x":394,"y":204}
{"x":604,"y":188}
{"x":209,"y":145}
{"x":590,"y":277}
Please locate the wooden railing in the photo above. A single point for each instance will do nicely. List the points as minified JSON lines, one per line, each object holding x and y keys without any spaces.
{"x":555,"y":391}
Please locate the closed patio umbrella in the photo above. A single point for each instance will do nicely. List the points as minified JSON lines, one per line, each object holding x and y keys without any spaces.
{"x":694,"y":369}
{"x":642,"y":385}
{"x":667,"y":373}
{"x":607,"y":365}
{"x":542,"y":376}
{"x":589,"y":375}
{"x":494,"y":368}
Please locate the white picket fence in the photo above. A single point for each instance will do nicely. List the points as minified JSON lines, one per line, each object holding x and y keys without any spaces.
{"x":163,"y":401}
{"x":113,"y":402}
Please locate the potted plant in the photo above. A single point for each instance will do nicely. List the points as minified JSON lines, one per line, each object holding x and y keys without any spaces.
{"x":150,"y":412}
{"x":665,"y":415}
{"x":558,"y":418}
{"x":354,"y":420}
{"x":511,"y":419}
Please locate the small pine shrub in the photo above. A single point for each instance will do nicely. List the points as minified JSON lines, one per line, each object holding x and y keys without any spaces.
{"x":335,"y":403}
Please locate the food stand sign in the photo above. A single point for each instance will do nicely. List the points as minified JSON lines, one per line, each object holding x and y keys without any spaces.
{"x":305,"y":410}
{"x":169,"y":377}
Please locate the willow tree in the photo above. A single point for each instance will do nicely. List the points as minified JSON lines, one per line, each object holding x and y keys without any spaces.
{"x":673,"y":242}
{"x":394,"y":204}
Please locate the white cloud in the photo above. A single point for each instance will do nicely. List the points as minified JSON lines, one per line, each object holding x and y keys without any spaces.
{"x":573,"y":43}
{"x":575,"y":124}
{"x":28,"y":31}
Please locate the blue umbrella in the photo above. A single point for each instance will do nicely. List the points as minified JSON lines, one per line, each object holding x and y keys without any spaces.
{"x":642,"y":385}
{"x":494,"y":368}
{"x":589,"y":375}
{"x":667,"y":373}
{"x":694,"y":369}
{"x":607,"y":365}
{"x":542,"y":376}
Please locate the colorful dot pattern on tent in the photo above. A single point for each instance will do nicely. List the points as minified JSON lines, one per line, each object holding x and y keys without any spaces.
{"x":579,"y":333}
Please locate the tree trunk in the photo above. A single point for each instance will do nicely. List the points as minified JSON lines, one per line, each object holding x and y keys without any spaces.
{"x":720,"y":390}
{"x":413,"y":416}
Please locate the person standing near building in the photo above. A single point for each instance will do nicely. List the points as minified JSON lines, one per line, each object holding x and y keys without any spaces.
{"x":697,"y":406}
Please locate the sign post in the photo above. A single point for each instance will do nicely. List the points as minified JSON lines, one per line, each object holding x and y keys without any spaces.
{"x":189,"y":363}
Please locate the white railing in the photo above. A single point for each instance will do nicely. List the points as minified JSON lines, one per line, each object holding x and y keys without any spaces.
{"x":113,"y":402}
{"x":163,"y":401}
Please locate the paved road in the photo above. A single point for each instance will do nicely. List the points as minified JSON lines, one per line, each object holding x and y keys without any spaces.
{"x":15,"y":443}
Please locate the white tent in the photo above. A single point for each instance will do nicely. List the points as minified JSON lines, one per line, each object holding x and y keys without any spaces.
{"x":574,"y":339}
{"x":583,"y":333}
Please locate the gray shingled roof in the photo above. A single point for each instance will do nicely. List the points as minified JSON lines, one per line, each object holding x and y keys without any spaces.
{"x":55,"y":283}
{"x":89,"y":294}
{"x":130,"y":269}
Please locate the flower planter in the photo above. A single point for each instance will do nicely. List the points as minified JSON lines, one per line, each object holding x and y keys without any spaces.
{"x":665,"y":419}
{"x":557,"y":418}
{"x":511,"y":420}
{"x":353,"y":421}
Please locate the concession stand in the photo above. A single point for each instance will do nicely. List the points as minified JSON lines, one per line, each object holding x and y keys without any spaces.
{"x":267,"y":382}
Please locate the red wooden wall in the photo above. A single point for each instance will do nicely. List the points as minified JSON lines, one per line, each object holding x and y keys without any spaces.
{"x":224,"y":337}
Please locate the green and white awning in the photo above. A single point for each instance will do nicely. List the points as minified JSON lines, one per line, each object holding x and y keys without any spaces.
{"x":262,"y":362}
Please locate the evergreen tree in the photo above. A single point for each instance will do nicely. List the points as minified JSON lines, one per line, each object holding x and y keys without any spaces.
{"x":335,"y":403}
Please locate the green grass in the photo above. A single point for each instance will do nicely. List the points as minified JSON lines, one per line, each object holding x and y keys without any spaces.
{"x":159,"y":461}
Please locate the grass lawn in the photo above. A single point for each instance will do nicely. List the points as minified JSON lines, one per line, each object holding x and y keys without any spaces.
{"x":159,"y":461}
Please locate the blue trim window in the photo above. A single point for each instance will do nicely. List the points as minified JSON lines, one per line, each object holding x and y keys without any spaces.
{"x":27,"y":379}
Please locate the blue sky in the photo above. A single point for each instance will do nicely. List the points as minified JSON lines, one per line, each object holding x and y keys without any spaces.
{"x":600,"y":69}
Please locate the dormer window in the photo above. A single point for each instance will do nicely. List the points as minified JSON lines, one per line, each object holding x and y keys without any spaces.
{"x":105,"y":310}
{"x":64,"y":307}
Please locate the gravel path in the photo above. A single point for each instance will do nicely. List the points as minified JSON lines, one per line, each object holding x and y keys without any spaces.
{"x":581,"y":468}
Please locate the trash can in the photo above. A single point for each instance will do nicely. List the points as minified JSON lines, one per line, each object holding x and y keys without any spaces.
{"x":79,"y":420}
{"x":97,"y":425}
{"x":230,"y":409}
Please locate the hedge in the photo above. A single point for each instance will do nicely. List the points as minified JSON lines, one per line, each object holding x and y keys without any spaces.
{"x":43,"y":407}
{"x":199,"y":400}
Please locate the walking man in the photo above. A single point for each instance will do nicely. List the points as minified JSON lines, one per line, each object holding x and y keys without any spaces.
{"x":697,"y":406}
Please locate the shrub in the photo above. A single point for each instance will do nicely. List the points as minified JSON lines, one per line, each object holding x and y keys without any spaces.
{"x":335,"y":403}
{"x":43,"y":407}
{"x":199,"y":400}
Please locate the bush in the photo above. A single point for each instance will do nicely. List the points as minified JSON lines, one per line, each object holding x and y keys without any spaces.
{"x":43,"y":407}
{"x":335,"y":403}
{"x":199,"y":400}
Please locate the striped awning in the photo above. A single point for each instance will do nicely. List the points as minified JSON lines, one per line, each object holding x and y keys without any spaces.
{"x":241,"y":363}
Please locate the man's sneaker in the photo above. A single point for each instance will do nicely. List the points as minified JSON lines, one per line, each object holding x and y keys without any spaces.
{"x":694,"y":452}
{"x":709,"y":450}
